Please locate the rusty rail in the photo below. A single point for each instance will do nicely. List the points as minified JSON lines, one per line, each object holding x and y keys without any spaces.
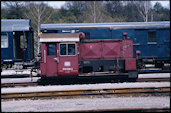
{"x":88,"y":92}
{"x":24,"y":84}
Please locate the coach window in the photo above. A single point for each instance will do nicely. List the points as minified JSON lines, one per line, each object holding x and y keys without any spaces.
{"x":21,"y":41}
{"x":4,"y":41}
{"x":51,"y":49}
{"x":152,"y":36}
{"x":67,"y":49}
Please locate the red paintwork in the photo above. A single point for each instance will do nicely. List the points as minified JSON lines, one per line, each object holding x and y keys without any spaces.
{"x":86,"y":50}
{"x":51,"y":66}
{"x":48,"y":65}
{"x":68,"y":70}
{"x":137,"y":53}
{"x":42,"y":64}
{"x":130,"y":64}
{"x":127,"y":49}
{"x":81,"y":35}
{"x":68,"y":65}
{"x":124,"y":35}
{"x":90,"y":50}
{"x":111,"y":50}
{"x":106,"y":49}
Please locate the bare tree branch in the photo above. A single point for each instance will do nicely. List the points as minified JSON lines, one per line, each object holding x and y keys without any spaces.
{"x":143,"y":8}
{"x":37,"y":13}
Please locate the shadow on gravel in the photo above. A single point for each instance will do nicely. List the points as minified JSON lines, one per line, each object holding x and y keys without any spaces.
{"x":82,"y":80}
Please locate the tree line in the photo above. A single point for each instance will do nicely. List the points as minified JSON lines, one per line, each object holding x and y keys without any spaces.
{"x":84,"y":12}
{"x":87,"y":11}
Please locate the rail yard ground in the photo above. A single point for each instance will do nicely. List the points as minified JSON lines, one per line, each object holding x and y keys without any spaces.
{"x":86,"y":104}
{"x":26,"y":80}
{"x":101,"y":102}
{"x":126,"y":96}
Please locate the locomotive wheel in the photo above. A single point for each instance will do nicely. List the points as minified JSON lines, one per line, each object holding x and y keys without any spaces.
{"x":132,"y":79}
{"x":132,"y":74}
{"x":159,"y":65}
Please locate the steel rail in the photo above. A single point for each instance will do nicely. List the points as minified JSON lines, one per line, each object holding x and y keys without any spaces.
{"x":87,"y":92}
{"x":160,"y":109}
{"x":22,"y":84}
{"x":166,"y":79}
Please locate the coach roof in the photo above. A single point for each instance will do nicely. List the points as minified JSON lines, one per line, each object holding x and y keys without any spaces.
{"x":15,"y":25}
{"x":117,"y":25}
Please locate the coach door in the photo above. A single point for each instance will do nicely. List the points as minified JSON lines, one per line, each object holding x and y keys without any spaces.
{"x":67,"y":59}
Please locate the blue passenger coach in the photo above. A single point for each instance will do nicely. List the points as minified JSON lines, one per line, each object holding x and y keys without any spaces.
{"x":16,"y":41}
{"x":151,"y":38}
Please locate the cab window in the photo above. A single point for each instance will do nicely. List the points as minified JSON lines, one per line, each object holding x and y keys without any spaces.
{"x":71,"y":49}
{"x":67,"y":49}
{"x":63,"y":49}
{"x":51,"y":49}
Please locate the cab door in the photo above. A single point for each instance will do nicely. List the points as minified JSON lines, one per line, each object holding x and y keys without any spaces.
{"x":67,"y":59}
{"x":50,"y":59}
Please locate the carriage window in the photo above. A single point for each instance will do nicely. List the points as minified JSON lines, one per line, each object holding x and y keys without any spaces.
{"x":4,"y":41}
{"x":152,"y":36}
{"x":67,"y":49}
{"x":51,"y":49}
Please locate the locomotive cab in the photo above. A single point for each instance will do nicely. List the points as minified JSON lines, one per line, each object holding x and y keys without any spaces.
{"x":59,"y":56}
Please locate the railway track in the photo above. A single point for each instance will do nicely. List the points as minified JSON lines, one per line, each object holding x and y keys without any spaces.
{"x":167,"y":79}
{"x":164,"y":109}
{"x":26,"y":84}
{"x":135,"y":91}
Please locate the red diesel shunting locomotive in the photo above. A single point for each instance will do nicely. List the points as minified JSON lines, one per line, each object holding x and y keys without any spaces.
{"x":70,"y":54}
